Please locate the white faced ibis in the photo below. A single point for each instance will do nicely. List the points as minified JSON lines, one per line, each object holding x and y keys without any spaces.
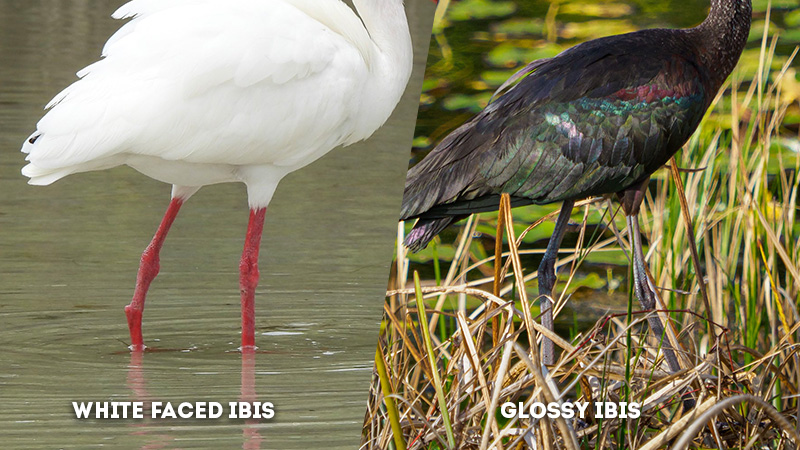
{"x":197,"y":92}
{"x":599,"y":118}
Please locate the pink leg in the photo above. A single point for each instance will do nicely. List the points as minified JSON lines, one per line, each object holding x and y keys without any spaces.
{"x":148,"y":269}
{"x":248,"y":276}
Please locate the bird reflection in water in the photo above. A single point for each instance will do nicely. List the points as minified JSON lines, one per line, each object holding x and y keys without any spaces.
{"x":252,"y":438}
{"x":137,"y":383}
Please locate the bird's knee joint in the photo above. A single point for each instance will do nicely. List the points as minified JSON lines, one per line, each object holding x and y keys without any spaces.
{"x":150,"y":263}
{"x":149,"y":255}
{"x":547,"y":266}
{"x":248,"y":266}
{"x":547,"y":273}
{"x":248,"y":274}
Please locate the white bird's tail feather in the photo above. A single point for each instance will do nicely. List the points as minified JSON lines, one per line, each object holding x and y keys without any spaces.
{"x":43,"y":177}
{"x":39,"y":176}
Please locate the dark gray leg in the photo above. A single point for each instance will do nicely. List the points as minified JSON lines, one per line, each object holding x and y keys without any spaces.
{"x":631,"y":200}
{"x":547,"y":279}
{"x":645,"y":291}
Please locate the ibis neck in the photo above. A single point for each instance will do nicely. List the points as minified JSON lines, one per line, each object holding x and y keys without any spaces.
{"x":391,"y":57}
{"x":723,"y":35}
{"x":386,"y":23}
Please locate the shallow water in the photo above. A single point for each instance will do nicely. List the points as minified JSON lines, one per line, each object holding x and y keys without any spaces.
{"x":69,"y":253}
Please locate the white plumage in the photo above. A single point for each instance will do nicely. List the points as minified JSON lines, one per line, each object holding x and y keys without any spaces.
{"x":197,"y":92}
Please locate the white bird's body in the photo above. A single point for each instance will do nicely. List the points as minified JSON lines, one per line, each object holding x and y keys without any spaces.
{"x":197,"y":92}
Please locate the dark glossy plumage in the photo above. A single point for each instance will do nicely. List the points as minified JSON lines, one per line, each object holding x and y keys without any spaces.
{"x":598,"y":118}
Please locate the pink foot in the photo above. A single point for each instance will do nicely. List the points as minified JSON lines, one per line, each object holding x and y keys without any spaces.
{"x":135,"y":328}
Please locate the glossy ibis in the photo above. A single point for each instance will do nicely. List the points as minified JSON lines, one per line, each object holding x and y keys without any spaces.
{"x":599,"y":118}
{"x":197,"y":92}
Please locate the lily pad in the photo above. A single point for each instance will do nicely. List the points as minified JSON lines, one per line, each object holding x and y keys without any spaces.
{"x":479,"y":9}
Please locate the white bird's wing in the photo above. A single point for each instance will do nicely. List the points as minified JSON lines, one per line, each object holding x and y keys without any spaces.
{"x":237,"y":82}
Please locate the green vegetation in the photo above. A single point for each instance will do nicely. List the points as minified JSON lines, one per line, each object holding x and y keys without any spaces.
{"x":739,"y":181}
